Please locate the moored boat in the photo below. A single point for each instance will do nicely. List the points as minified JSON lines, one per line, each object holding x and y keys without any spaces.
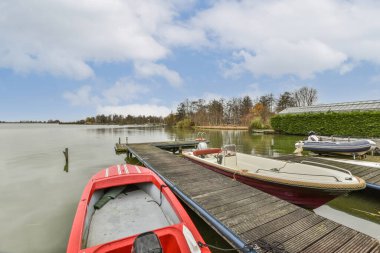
{"x":200,"y":137}
{"x":127,"y":208}
{"x":307,"y":185}
{"x":351,"y":148}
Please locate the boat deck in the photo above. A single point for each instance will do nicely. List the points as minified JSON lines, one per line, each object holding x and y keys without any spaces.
{"x":370,"y":174}
{"x":250,"y":215}
{"x":128,"y":214}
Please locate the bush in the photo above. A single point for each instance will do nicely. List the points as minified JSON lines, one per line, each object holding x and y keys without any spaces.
{"x":185,"y":123}
{"x":355,"y":124}
{"x":258,"y":123}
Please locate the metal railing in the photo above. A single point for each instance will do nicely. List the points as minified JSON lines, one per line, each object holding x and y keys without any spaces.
{"x":328,"y":165}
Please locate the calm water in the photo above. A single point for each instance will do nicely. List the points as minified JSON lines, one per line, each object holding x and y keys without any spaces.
{"x":38,"y":198}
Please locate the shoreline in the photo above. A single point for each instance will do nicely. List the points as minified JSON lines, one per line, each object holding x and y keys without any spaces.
{"x":222,"y":127}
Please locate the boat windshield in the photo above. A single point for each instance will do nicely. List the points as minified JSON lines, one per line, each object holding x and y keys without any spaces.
{"x":229,"y":150}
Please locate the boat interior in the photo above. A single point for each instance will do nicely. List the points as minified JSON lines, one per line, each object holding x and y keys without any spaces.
{"x":124,"y":211}
{"x":307,"y":171}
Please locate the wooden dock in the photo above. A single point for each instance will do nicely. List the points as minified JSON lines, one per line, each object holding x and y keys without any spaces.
{"x":244,"y":215}
{"x":369,"y":174}
{"x":173,"y":146}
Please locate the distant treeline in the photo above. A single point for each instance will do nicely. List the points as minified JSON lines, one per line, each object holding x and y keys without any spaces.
{"x":50,"y":121}
{"x":120,"y":120}
{"x":238,"y":111}
{"x":241,"y":111}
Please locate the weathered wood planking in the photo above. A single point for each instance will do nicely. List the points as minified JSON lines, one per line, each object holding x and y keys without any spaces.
{"x":252,"y":214}
{"x":369,"y":174}
{"x":170,"y":146}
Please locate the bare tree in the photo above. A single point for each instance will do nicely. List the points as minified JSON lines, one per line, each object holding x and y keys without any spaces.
{"x":305,"y":96}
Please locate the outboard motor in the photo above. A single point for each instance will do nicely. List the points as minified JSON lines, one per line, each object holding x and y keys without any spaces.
{"x":147,"y":243}
{"x":202,"y":145}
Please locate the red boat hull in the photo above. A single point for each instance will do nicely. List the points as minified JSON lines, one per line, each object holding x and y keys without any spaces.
{"x":306,"y":197}
{"x":171,"y":237}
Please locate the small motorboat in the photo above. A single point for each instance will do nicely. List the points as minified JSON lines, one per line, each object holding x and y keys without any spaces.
{"x":306,"y":184}
{"x":129,"y":209}
{"x":352,"y":148}
{"x":200,"y":137}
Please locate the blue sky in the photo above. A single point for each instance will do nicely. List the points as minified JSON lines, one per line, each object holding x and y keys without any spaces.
{"x":70,"y":59}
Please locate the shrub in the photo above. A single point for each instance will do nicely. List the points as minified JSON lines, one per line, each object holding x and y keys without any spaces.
{"x":185,"y":123}
{"x":355,"y":124}
{"x":258,"y":123}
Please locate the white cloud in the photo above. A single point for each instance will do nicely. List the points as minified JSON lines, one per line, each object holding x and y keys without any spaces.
{"x":294,"y":37}
{"x":118,"y":99}
{"x":82,"y":97}
{"x":209,"y":96}
{"x":62,"y":37}
{"x":148,"y":69}
{"x":254,"y":91}
{"x":135,"y":110}
{"x":275,"y":38}
{"x":303,"y":59}
{"x":347,"y":67}
{"x":184,"y":36}
{"x":124,"y":90}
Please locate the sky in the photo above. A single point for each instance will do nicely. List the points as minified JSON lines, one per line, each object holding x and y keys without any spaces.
{"x":69,"y":59}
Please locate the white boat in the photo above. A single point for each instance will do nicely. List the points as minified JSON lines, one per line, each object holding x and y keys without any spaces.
{"x":306,"y":184}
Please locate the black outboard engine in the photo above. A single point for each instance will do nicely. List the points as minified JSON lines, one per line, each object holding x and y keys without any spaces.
{"x":147,"y":243}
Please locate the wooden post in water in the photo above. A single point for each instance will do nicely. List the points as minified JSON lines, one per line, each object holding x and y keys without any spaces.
{"x":119,"y":140}
{"x":66,"y":154}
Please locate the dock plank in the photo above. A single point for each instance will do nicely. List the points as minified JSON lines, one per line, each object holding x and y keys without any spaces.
{"x":333,"y":241}
{"x":360,"y":243}
{"x":248,"y":221}
{"x":246,"y":208}
{"x":294,"y":229}
{"x":309,"y":236}
{"x":275,"y":225}
{"x":238,"y":203}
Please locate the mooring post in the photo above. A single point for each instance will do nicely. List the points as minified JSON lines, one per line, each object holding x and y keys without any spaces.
{"x":66,"y":154}
{"x":119,"y":140}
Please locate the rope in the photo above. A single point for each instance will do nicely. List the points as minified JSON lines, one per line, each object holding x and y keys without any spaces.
{"x":159,"y":204}
{"x":278,"y":169}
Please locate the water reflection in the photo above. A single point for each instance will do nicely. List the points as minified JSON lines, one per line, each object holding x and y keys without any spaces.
{"x":32,"y":177}
{"x":256,"y":144}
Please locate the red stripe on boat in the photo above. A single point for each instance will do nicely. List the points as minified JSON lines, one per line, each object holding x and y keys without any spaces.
{"x":207,"y":151}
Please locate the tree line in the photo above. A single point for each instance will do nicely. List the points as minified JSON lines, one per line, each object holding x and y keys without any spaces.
{"x":239,"y":111}
{"x":235,"y":111}
{"x":116,"y":119}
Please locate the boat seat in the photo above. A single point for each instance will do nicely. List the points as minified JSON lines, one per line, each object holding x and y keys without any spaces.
{"x":110,"y":194}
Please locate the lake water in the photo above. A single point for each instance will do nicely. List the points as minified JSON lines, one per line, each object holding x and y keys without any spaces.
{"x":39,"y":199}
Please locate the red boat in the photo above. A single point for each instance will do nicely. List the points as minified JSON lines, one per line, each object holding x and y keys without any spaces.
{"x":307,"y":185}
{"x":128,"y":208}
